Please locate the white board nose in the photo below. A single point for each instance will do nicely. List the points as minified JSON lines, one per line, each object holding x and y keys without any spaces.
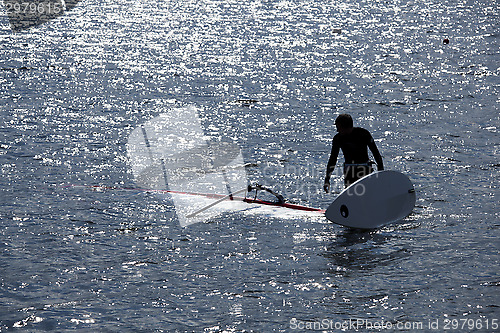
{"x":380,"y":198}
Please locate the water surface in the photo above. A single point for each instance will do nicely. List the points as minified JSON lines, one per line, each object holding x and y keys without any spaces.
{"x":271,"y":76}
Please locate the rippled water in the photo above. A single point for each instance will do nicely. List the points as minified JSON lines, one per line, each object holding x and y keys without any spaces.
{"x":272,"y":76}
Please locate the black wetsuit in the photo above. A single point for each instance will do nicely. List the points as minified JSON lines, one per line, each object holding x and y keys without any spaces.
{"x":354,"y":147}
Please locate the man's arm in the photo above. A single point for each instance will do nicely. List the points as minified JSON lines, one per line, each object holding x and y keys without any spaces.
{"x":332,"y":161}
{"x":376,"y":155}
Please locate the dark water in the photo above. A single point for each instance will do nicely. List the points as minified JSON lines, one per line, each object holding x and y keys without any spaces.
{"x":272,"y":76}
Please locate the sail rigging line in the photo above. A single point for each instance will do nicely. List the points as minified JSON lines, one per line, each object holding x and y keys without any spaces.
{"x":228,"y":187}
{"x":229,"y":196}
{"x":162,"y":162}
{"x":219,"y":197}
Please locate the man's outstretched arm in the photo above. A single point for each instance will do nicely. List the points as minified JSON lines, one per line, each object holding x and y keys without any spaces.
{"x":332,"y":161}
{"x":376,"y":155}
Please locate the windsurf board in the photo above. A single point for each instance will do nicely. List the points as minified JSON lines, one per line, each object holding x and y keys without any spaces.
{"x":380,"y":198}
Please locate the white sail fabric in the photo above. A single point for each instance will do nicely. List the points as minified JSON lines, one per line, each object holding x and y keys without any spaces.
{"x":170,"y":152}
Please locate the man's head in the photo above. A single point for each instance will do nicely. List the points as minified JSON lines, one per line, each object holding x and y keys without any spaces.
{"x":344,"y":124}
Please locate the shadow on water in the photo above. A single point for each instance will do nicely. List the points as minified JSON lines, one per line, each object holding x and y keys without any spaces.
{"x":357,"y":249}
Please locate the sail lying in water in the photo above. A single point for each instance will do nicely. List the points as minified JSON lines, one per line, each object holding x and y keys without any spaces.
{"x":171,"y":152}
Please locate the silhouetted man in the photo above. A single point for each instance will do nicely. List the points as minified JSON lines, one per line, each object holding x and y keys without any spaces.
{"x":354,"y":142}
